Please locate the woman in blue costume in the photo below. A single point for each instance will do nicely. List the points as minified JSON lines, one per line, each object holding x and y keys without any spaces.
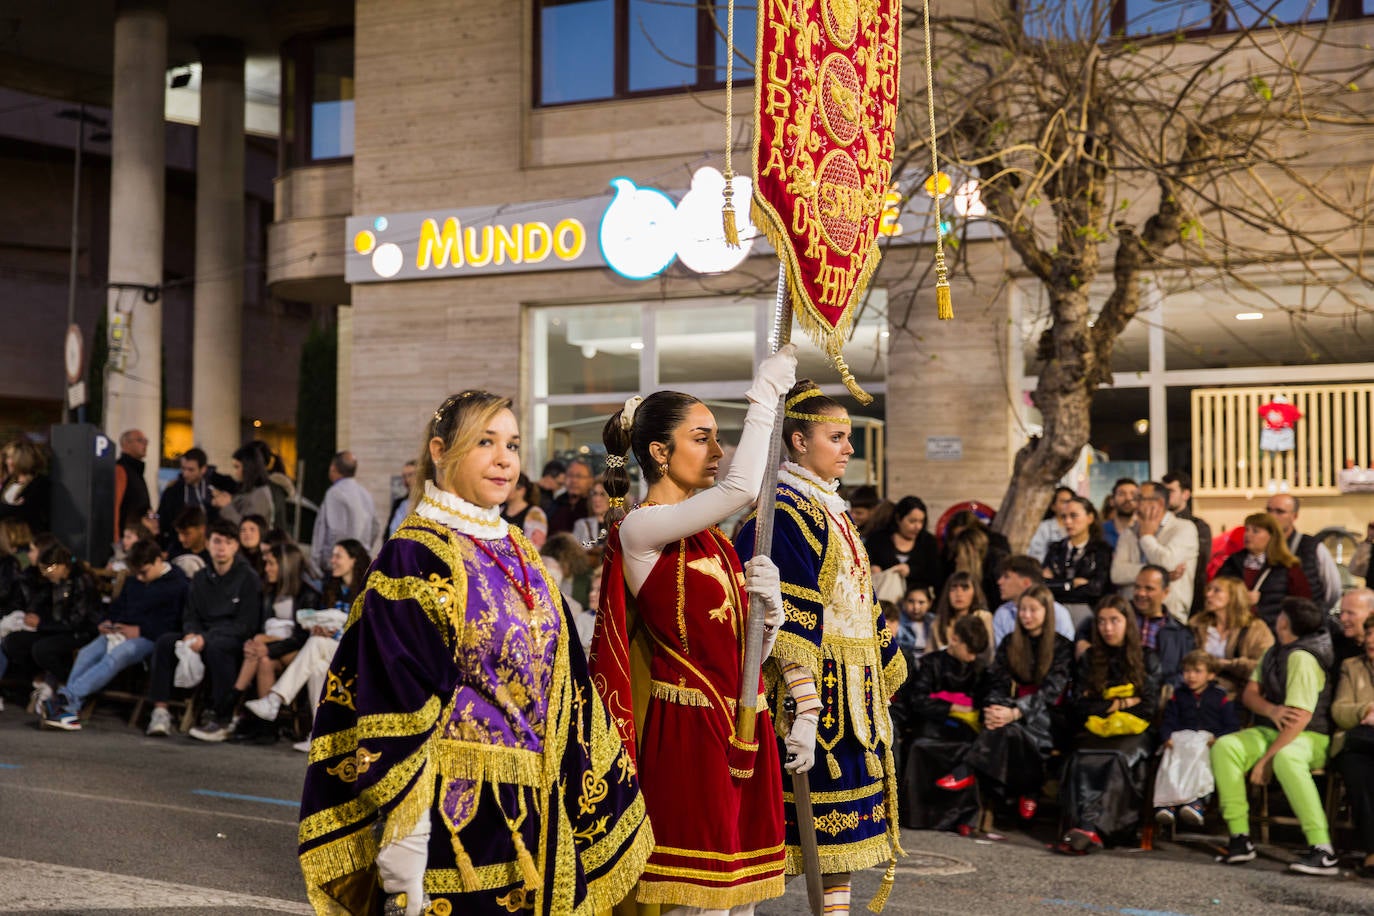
{"x":462,"y":761}
{"x":833,"y":657}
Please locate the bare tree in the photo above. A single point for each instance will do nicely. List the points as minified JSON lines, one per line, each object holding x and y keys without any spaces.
{"x":1211,"y":151}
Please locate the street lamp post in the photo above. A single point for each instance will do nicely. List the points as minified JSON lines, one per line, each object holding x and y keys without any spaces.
{"x":82,"y":119}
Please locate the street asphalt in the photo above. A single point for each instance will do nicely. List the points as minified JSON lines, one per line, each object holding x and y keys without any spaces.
{"x":109,"y":822}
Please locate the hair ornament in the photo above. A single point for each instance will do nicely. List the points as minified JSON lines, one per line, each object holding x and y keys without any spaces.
{"x":616,"y":502}
{"x":803,"y":396}
{"x":818,"y":417}
{"x":627,"y":415}
{"x":615,"y":461}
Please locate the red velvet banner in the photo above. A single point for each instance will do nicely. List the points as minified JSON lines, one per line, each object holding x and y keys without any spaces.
{"x":826,"y":88}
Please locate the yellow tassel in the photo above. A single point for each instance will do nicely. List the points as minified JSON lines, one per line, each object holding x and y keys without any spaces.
{"x":875,"y":767}
{"x":833,"y":765}
{"x":467,"y":873}
{"x":944,"y":305}
{"x":526,"y":862}
{"x":863,"y":397}
{"x":889,"y":878}
{"x":727,"y":214}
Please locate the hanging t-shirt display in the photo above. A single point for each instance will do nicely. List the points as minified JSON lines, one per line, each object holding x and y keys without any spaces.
{"x":1277,"y":435}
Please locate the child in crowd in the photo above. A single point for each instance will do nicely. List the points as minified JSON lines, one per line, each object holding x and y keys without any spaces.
{"x":1194,"y":718}
{"x":913,"y":631}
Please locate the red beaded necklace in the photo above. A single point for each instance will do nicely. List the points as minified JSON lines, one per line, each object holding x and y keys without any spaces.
{"x":525,"y":591}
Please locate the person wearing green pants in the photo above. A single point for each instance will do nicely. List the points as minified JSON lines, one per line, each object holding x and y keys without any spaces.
{"x":1290,"y":695}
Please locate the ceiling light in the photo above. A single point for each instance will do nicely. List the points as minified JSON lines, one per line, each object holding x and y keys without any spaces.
{"x":588,"y":351}
{"x":636,"y":345}
{"x":257,"y":424}
{"x":1249,"y":316}
{"x":1142,"y":426}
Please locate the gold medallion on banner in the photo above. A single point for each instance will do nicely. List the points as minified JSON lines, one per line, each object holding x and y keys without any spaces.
{"x":841,"y":21}
{"x":841,"y":99}
{"x":839,"y":200}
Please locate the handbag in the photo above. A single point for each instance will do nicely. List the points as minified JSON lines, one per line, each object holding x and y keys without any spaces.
{"x":1120,"y":722}
{"x":890,"y":585}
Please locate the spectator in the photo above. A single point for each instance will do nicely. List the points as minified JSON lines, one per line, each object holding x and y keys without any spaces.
{"x":914,"y":635}
{"x":1116,"y":694}
{"x":147,"y":607}
{"x":1359,"y":562}
{"x":1226,"y":630}
{"x":131,"y":490}
{"x":1160,"y":632}
{"x":905,"y":552}
{"x":522,"y":510}
{"x":552,"y":482}
{"x":1290,"y":695}
{"x":1352,"y":749}
{"x":252,"y":528}
{"x":1028,"y":679}
{"x":1323,"y":576}
{"x":1347,"y":637}
{"x":1051,"y":529}
{"x":348,"y":563}
{"x":400,"y":506}
{"x":191,"y":527}
{"x":1180,"y":487}
{"x":591,"y":528}
{"x":63,"y":613}
{"x":1157,"y":537}
{"x":962,"y":596}
{"x":190,"y":490}
{"x":571,"y":568}
{"x":14,"y":545}
{"x":572,"y":504}
{"x":973,"y":548}
{"x":283,"y":489}
{"x":346,"y":513}
{"x":309,"y":668}
{"x":1018,"y":574}
{"x":1124,"y":498}
{"x":27,"y":493}
{"x":892,"y":620}
{"x":254,"y":496}
{"x":935,"y":715}
{"x":1078,"y":567}
{"x":1197,"y":715}
{"x":1267,"y":567}
{"x":284,"y":592}
{"x":862,"y":503}
{"x":222,"y":611}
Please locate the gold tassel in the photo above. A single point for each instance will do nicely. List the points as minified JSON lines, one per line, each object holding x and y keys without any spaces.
{"x":833,"y":765}
{"x":889,"y":878}
{"x":467,"y":873}
{"x":863,"y":397}
{"x":944,"y":305}
{"x":728,"y":213}
{"x":526,"y":862}
{"x":875,"y":767}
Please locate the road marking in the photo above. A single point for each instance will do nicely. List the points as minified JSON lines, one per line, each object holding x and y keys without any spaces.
{"x":11,"y":766}
{"x":287,"y":802}
{"x":115,"y":799}
{"x":40,"y":886}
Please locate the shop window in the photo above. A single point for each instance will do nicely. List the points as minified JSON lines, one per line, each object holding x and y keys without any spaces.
{"x":317,"y":99}
{"x":589,"y":50}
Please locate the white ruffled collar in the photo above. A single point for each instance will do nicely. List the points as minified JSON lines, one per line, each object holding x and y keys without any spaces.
{"x":826,"y":493}
{"x":462,"y":516}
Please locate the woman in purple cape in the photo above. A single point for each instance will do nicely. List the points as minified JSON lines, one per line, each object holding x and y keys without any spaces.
{"x":462,"y":761}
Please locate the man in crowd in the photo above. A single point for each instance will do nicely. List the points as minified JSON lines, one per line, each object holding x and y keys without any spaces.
{"x":1160,"y":631}
{"x":1020,"y":573}
{"x":1050,"y":530}
{"x":1158,"y":537}
{"x":190,"y":528}
{"x":551,"y":484}
{"x":400,"y":506}
{"x":1125,"y":494}
{"x":347,"y":512}
{"x":223,"y":610}
{"x":131,"y":490}
{"x":572,"y":504}
{"x":1290,"y":695}
{"x":1317,"y":565}
{"x":191,"y":490}
{"x":148,"y":606}
{"x":1180,"y":487}
{"x":1347,"y":636}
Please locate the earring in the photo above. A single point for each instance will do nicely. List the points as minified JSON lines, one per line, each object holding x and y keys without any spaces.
{"x":663,"y":469}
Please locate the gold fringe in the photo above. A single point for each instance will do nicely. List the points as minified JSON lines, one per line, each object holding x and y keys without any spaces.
{"x":684,"y":893}
{"x":885,"y":889}
{"x":488,"y":763}
{"x":522,"y":856}
{"x":832,"y":765}
{"x":404,"y":818}
{"x":680,"y":694}
{"x":875,"y":768}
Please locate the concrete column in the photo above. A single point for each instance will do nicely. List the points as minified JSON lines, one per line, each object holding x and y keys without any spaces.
{"x":138,"y":155}
{"x":217,"y":347}
{"x":343,"y":428}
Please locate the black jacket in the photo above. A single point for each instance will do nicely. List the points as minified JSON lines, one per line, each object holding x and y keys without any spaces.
{"x":1093,"y":563}
{"x":1087,"y":702}
{"x":14,"y":585}
{"x":154,"y":607}
{"x":1204,"y":556}
{"x":35,"y":506}
{"x":135,"y":502}
{"x":71,"y":606}
{"x":924,"y":566}
{"x":916,"y":711}
{"x":1035,"y":704}
{"x":1172,"y":642}
{"x":1209,"y":711}
{"x":229,"y":604}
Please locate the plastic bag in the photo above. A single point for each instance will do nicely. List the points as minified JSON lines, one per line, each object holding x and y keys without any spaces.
{"x":1185,"y":770}
{"x":190,"y":666}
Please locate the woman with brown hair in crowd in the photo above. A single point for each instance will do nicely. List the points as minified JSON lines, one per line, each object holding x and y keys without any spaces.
{"x":1227,"y":630}
{"x":27,"y":491}
{"x":962,"y":594}
{"x":1267,"y":567}
{"x":522,"y":510}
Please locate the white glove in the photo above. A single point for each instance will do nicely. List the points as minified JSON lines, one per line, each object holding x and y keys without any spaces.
{"x":761,"y":578}
{"x":402,"y":867}
{"x":775,"y":376}
{"x":801,"y":743}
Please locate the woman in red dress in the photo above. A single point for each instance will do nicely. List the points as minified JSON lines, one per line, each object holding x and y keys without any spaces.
{"x":669,"y":644}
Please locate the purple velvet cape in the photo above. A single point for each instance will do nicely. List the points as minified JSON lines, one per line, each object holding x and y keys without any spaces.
{"x":449,"y":698}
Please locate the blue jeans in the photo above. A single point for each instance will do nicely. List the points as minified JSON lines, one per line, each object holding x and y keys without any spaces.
{"x":97,"y":664}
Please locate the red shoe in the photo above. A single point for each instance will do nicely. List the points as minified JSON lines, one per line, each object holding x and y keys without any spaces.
{"x":965,"y":830}
{"x":1082,"y":841}
{"x":950,"y":784}
{"x":1026,"y":807}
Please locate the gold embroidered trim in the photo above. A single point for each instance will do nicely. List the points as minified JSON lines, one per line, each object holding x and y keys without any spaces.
{"x":744,"y":856}
{"x":836,"y":822}
{"x":616,"y":885}
{"x":806,"y":395}
{"x":808,"y":619}
{"x":749,"y":746}
{"x":800,"y":591}
{"x":339,"y":691}
{"x":679,"y":893}
{"x":680,"y":694}
{"x":634,"y":819}
{"x":841,"y":797}
{"x":371,"y":799}
{"x":818,"y":418}
{"x":741,"y":774}
{"x":344,"y":856}
{"x":488,"y":763}
{"x":706,"y":874}
{"x":350,"y":768}
{"x":382,"y":725}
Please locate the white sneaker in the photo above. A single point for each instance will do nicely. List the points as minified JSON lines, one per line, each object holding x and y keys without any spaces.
{"x":40,"y":693}
{"x":265,"y":707}
{"x":302,"y":746}
{"x":161,"y":724}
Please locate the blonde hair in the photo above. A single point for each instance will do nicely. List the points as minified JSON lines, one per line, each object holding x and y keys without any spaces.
{"x":1238,"y":607}
{"x":459,"y":423}
{"x":1277,"y":553}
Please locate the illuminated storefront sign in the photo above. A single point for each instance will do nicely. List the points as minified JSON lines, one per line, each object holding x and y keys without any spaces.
{"x":639,"y":234}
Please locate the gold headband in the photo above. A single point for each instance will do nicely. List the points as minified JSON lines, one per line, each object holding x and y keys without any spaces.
{"x":816,"y":417}
{"x":804,"y":396}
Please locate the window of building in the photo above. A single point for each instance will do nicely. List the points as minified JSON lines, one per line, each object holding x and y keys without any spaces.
{"x":1078,"y":19}
{"x":317,"y":99}
{"x":588,"y":50}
